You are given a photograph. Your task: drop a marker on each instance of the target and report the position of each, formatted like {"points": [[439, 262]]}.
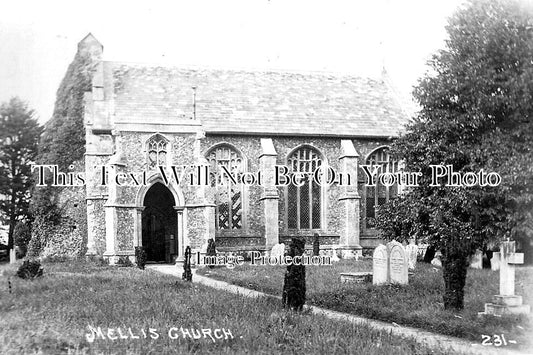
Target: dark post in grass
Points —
{"points": [[294, 284], [316, 245], [187, 273], [211, 249]]}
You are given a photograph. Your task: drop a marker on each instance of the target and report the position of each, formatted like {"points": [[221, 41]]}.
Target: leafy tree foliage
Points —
{"points": [[63, 139], [19, 135], [22, 236], [62, 143], [476, 109]]}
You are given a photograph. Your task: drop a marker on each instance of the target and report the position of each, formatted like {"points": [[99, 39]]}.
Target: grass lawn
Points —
{"points": [[418, 304], [52, 314]]}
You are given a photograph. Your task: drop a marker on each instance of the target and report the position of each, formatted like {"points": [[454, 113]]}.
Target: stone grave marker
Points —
{"points": [[334, 257], [412, 254], [495, 261], [436, 260], [398, 264], [380, 265], [507, 302], [278, 251], [477, 260]]}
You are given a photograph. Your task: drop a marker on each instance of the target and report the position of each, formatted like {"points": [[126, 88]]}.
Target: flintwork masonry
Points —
{"points": [[143, 120]]}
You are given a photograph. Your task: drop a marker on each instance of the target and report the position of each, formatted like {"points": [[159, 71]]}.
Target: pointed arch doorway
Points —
{"points": [[159, 224]]}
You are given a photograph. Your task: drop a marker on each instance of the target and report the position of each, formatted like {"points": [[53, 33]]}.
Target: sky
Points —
{"points": [[39, 38]]}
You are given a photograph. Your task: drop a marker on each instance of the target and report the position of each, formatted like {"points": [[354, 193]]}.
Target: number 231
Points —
{"points": [[497, 340]]}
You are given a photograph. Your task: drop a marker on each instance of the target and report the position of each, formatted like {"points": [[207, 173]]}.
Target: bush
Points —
{"points": [[293, 295], [22, 236], [30, 269], [140, 257]]}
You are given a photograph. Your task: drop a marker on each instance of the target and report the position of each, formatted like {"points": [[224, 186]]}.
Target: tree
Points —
{"points": [[63, 143], [476, 113], [19, 136]]}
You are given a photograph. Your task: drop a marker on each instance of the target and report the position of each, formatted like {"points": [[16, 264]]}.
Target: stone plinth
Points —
{"points": [[356, 277], [502, 305], [507, 302]]}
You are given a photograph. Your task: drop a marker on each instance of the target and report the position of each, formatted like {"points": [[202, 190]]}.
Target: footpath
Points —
{"points": [[452, 344]]}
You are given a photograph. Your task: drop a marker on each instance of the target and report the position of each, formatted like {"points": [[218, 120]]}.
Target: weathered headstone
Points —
{"points": [[495, 261], [437, 259], [334, 257], [356, 277], [507, 302], [294, 284], [412, 254], [278, 251], [398, 272], [380, 265], [477, 260]]}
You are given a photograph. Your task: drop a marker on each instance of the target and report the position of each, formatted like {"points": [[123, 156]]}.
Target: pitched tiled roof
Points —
{"points": [[255, 102]]}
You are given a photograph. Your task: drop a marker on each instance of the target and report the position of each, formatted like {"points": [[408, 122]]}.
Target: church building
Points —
{"points": [[149, 126]]}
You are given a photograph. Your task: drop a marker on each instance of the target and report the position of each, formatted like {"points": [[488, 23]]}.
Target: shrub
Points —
{"points": [[30, 269], [294, 284], [22, 236], [140, 257]]}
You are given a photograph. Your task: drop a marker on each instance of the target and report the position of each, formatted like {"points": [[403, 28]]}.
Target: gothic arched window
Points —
{"points": [[228, 196], [377, 195], [304, 203], [157, 151]]}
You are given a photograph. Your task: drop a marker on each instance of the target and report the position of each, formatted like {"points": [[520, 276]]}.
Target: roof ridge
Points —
{"points": [[244, 70]]}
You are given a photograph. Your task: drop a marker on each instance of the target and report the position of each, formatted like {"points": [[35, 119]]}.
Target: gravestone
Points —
{"points": [[507, 302], [380, 265], [278, 251], [495, 261], [334, 257], [477, 260], [356, 277], [398, 264], [412, 254], [436, 260]]}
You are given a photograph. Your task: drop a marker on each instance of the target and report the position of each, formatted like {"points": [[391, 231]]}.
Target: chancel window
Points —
{"points": [[377, 195], [157, 151], [304, 202], [228, 195]]}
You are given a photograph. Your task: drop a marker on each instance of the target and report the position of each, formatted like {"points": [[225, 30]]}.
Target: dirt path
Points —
{"points": [[424, 337]]}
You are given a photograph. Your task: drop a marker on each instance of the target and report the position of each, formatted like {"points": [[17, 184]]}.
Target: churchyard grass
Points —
{"points": [[51, 315], [418, 304]]}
